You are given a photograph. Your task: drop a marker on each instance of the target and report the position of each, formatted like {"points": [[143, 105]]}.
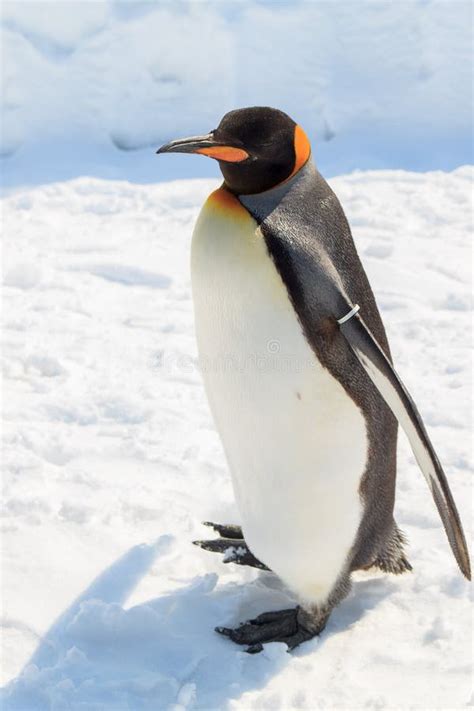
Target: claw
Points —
{"points": [[221, 545], [254, 648], [223, 630], [225, 530]]}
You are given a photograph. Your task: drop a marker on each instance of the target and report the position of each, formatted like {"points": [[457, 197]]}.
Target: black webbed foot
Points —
{"points": [[283, 626], [232, 545]]}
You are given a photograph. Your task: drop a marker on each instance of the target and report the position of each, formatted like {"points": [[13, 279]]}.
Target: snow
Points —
{"points": [[111, 459], [91, 88], [110, 455]]}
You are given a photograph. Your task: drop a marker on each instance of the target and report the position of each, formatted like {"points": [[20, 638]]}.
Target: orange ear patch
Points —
{"points": [[227, 153], [302, 150]]}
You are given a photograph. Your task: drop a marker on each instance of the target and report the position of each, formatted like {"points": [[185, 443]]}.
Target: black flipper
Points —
{"points": [[391, 388]]}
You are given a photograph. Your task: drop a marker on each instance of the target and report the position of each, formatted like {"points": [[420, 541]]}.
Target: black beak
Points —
{"points": [[206, 145], [189, 145]]}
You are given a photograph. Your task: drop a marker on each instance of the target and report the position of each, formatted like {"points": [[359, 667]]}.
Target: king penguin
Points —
{"points": [[299, 377]]}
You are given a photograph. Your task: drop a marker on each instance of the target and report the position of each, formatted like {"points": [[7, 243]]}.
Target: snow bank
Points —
{"points": [[111, 461], [376, 84]]}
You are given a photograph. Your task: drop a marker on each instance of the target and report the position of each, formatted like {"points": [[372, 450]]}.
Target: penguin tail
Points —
{"points": [[392, 557]]}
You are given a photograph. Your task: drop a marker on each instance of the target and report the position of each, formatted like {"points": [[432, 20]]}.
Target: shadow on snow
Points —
{"points": [[162, 654]]}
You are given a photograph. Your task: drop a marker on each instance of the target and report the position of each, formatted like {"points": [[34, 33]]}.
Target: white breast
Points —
{"points": [[295, 442]]}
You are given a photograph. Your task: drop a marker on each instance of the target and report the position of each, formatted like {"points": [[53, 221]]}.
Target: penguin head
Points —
{"points": [[257, 148]]}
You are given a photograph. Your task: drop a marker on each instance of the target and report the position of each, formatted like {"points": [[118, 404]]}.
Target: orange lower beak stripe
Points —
{"points": [[227, 153]]}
